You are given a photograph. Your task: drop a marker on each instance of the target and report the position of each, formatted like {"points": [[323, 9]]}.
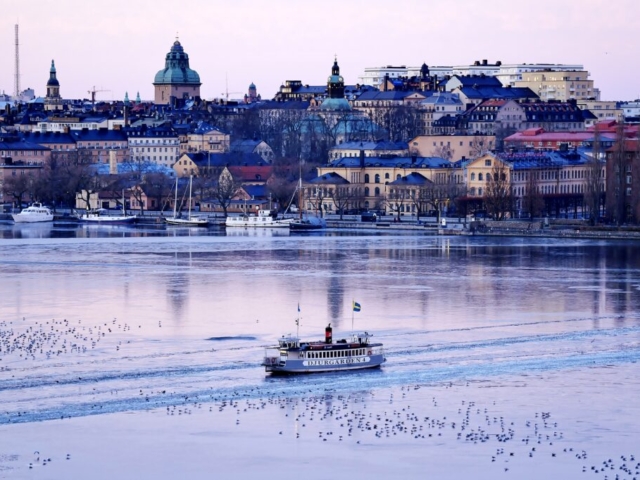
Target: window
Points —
{"points": [[480, 176], [487, 163], [377, 178], [366, 178], [473, 177], [377, 192]]}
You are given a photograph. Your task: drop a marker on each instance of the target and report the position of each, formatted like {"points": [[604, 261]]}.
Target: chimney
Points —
{"points": [[113, 163], [361, 158], [484, 62], [413, 159]]}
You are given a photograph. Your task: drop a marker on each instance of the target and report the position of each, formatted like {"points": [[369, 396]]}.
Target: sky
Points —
{"points": [[117, 46]]}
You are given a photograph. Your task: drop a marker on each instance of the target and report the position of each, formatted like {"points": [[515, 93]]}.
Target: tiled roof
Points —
{"points": [[497, 92], [251, 173], [413, 178], [44, 138], [393, 162], [528, 160], [330, 178]]}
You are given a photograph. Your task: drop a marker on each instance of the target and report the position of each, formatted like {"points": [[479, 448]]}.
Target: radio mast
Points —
{"points": [[17, 79]]}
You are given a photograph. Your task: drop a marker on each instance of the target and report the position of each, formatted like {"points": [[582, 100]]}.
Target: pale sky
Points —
{"points": [[119, 45]]}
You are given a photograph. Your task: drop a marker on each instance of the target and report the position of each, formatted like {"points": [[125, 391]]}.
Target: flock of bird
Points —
{"points": [[53, 338], [338, 417]]}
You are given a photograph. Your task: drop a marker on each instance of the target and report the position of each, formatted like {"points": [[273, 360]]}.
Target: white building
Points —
{"points": [[508, 74], [154, 145], [374, 76], [631, 109]]}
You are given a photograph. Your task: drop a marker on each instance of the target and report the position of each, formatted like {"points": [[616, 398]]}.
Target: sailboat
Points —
{"points": [[307, 222], [189, 220], [102, 216]]}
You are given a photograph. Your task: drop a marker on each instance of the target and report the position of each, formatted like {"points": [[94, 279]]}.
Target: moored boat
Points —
{"points": [[264, 219], [188, 220], [294, 356], [102, 216], [33, 214]]}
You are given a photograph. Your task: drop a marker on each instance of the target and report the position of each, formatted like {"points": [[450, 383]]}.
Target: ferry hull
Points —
{"points": [[325, 365]]}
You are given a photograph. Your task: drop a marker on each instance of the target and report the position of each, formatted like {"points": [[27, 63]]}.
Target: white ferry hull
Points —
{"points": [[318, 366], [107, 220]]}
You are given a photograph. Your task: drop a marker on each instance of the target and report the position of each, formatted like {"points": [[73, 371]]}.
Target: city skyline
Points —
{"points": [[118, 47]]}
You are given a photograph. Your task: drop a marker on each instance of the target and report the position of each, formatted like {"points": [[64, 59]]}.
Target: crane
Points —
{"points": [[227, 93], [93, 92]]}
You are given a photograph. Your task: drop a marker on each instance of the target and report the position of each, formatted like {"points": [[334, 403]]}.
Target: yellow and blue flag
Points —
{"points": [[356, 307]]}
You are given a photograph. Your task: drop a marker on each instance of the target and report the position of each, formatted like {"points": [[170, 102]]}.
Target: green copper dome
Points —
{"points": [[176, 68]]}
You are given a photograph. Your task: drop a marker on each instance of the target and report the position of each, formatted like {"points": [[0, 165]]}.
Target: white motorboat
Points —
{"points": [[264, 219], [189, 220], [33, 214]]}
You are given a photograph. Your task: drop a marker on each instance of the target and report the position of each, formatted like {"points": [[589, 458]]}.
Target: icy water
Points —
{"points": [[128, 353]]}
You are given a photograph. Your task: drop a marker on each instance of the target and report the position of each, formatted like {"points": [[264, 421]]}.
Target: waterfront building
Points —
{"points": [[368, 178], [623, 181], [19, 159], [177, 82]]}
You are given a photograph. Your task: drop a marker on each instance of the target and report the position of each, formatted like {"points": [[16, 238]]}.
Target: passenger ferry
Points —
{"points": [[293, 356]]}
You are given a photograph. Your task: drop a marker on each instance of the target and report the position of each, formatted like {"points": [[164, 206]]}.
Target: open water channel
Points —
{"points": [[135, 353]]}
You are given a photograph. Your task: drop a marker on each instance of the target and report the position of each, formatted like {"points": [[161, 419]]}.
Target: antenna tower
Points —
{"points": [[17, 79]]}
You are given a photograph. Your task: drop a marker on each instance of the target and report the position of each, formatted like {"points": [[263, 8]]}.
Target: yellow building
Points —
{"points": [[369, 179], [560, 85]]}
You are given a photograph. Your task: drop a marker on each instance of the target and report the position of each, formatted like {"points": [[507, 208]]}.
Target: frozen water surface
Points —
{"points": [[135, 354]]}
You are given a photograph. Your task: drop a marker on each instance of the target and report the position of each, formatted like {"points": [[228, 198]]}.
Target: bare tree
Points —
{"points": [[617, 178], [498, 198], [343, 196], [532, 202], [18, 186], [479, 146], [396, 199], [443, 151], [317, 195], [225, 189], [595, 187]]}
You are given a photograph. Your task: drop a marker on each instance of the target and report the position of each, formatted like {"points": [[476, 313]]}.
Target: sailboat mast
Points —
{"points": [[190, 182], [175, 203], [300, 191]]}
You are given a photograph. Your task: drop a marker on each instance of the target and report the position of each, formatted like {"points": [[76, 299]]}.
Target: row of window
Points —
{"points": [[335, 353], [141, 149]]}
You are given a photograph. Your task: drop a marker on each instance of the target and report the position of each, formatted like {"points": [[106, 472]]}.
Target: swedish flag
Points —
{"points": [[356, 307]]}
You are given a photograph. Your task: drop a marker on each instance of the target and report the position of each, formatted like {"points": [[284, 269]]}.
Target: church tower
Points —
{"points": [[53, 101], [335, 83], [335, 100]]}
